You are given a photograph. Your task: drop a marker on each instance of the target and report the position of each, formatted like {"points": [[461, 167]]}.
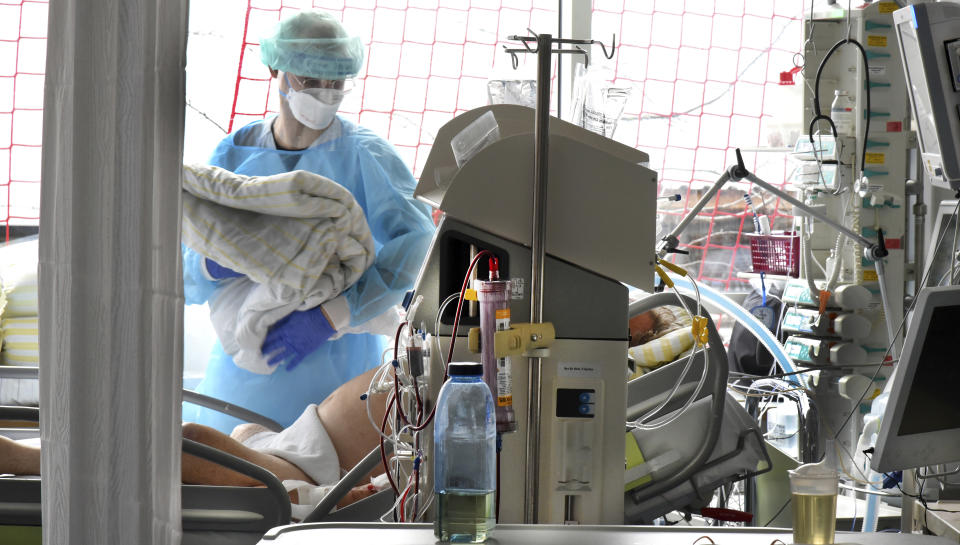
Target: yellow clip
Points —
{"points": [[700, 330], [470, 295], [663, 276], [677, 269]]}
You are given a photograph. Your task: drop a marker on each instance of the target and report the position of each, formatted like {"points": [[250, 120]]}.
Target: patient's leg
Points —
{"points": [[199, 471], [17, 458], [344, 416]]}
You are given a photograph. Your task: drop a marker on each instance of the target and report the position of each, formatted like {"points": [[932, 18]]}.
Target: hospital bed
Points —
{"points": [[211, 514], [713, 443]]}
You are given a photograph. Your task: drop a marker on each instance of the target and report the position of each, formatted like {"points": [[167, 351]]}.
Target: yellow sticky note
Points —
{"points": [[888, 7], [877, 41], [875, 158]]}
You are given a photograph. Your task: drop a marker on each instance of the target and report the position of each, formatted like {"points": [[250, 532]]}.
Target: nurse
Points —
{"points": [[313, 59]]}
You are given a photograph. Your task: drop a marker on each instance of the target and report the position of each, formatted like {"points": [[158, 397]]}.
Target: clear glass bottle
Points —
{"points": [[464, 439], [842, 112]]}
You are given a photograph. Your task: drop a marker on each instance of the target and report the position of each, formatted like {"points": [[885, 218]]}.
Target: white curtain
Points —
{"points": [[111, 296]]}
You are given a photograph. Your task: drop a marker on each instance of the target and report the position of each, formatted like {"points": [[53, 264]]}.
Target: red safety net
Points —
{"points": [[708, 76], [704, 74], [23, 32], [426, 61]]}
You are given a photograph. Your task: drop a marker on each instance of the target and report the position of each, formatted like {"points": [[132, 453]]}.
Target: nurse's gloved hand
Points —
{"points": [[218, 271], [295, 336]]}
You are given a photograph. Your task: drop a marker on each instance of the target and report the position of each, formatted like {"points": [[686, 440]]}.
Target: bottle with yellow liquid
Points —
{"points": [[814, 501], [464, 439]]}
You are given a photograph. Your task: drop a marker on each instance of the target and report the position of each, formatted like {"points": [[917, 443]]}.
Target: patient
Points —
{"points": [[342, 416], [658, 336]]}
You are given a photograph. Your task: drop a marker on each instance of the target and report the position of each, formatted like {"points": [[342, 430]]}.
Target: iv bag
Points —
{"points": [[597, 104]]}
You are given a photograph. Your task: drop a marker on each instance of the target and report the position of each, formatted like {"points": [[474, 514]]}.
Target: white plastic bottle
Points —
{"points": [[842, 113]]}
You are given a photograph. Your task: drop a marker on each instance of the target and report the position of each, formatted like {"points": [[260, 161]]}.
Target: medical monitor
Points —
{"points": [[939, 255], [929, 38], [921, 424]]}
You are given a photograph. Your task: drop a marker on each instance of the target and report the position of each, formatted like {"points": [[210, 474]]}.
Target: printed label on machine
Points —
{"points": [[877, 41], [578, 370], [516, 288], [878, 71], [504, 377], [875, 158]]}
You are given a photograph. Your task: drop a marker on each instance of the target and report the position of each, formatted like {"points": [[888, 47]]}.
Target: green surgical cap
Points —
{"points": [[312, 44]]}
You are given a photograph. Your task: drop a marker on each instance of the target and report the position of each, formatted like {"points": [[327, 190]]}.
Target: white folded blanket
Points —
{"points": [[300, 239]]}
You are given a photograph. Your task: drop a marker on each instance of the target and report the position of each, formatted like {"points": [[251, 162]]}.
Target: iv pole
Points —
{"points": [[541, 131]]}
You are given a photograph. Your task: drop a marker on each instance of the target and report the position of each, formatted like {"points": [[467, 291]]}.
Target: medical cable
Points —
{"points": [[453, 334], [396, 403], [818, 114], [669, 419], [440, 311], [396, 367], [366, 398], [383, 450], [443, 306], [641, 422]]}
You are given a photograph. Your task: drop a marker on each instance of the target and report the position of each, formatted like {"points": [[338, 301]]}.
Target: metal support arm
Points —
{"points": [[872, 250]]}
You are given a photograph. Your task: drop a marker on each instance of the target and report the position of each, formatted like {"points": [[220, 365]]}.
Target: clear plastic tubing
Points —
{"points": [[494, 298], [746, 319]]}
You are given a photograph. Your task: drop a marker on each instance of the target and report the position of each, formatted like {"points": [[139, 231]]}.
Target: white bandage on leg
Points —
{"points": [[304, 444]]}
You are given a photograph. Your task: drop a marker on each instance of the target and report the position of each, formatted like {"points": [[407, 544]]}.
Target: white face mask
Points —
{"points": [[314, 108]]}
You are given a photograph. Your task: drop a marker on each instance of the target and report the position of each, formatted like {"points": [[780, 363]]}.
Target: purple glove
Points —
{"points": [[218, 271], [295, 336]]}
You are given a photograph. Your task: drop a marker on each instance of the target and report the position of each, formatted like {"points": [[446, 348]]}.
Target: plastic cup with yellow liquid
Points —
{"points": [[814, 501]]}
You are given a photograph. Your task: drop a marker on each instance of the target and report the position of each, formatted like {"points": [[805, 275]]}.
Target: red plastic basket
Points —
{"points": [[775, 254]]}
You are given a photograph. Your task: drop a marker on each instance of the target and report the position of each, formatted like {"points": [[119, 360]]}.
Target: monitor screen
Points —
{"points": [[917, 85], [939, 253], [932, 403], [921, 423]]}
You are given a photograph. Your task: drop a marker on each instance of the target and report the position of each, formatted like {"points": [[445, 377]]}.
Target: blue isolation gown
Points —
{"points": [[382, 184]]}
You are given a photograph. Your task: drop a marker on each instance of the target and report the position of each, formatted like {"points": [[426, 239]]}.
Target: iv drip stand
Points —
{"points": [[541, 131]]}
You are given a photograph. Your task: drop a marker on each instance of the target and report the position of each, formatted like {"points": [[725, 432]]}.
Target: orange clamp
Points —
{"points": [[824, 299]]}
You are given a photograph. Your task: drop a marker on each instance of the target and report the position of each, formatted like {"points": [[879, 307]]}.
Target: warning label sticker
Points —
{"points": [[888, 7]]}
